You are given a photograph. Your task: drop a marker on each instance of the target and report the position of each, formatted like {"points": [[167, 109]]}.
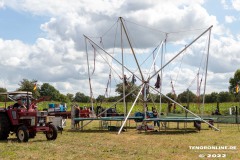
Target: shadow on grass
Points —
{"points": [[131, 127], [4, 141], [170, 131], [162, 131], [93, 131], [41, 140], [10, 140], [15, 140]]}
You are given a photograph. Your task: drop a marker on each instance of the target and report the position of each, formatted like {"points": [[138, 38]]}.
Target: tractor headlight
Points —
{"points": [[41, 121]]}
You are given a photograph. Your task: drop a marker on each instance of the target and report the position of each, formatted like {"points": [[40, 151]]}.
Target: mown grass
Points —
{"points": [[92, 143]]}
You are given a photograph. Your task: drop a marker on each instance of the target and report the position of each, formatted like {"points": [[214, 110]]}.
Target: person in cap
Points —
{"points": [[19, 104]]}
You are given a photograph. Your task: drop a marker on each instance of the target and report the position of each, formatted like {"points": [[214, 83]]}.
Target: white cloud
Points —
{"points": [[14, 53], [46, 8], [218, 81], [224, 56], [225, 4], [1, 4], [238, 37], [236, 4], [230, 19]]}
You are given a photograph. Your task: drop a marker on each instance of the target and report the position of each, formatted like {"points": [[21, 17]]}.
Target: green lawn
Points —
{"points": [[93, 143]]}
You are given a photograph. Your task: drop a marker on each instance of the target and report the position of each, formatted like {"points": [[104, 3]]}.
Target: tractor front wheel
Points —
{"points": [[4, 126], [22, 134], [52, 133]]}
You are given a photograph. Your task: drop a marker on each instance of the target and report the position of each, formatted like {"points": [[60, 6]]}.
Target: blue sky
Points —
{"points": [[216, 8], [43, 39], [20, 25]]}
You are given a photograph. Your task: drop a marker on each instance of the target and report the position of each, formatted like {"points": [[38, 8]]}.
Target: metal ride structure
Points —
{"points": [[145, 85]]}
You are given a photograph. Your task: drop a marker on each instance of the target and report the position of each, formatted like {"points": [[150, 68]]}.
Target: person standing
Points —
{"points": [[155, 115], [77, 112]]}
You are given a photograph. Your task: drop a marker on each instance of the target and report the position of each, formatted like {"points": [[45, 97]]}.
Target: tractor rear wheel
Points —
{"points": [[52, 133], [4, 126], [22, 134]]}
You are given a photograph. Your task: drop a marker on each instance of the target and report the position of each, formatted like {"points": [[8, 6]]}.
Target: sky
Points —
{"points": [[43, 40]]}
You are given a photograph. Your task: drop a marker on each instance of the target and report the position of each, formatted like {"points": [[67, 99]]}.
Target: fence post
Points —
{"points": [[236, 113], [72, 116]]}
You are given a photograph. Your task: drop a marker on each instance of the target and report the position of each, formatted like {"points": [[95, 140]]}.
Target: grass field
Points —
{"points": [[93, 143], [102, 144]]}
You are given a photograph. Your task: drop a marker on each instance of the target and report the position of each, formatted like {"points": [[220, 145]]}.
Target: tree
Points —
{"points": [[186, 96], [234, 81], [70, 97], [157, 98], [211, 98], [49, 90], [63, 98], [80, 97], [27, 85], [154, 97], [234, 84], [113, 98], [128, 89], [225, 97], [170, 95], [100, 98], [2, 90]]}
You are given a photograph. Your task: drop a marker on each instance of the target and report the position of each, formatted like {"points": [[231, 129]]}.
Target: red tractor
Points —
{"points": [[23, 118]]}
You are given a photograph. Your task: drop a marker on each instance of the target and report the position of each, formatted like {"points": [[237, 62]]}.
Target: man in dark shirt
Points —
{"points": [[77, 113], [19, 104], [155, 115]]}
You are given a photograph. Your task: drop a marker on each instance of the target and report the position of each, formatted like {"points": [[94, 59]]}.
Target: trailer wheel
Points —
{"points": [[52, 133], [4, 126], [22, 134]]}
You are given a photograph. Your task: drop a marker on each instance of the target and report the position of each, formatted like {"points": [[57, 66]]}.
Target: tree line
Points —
{"points": [[47, 89], [184, 97]]}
